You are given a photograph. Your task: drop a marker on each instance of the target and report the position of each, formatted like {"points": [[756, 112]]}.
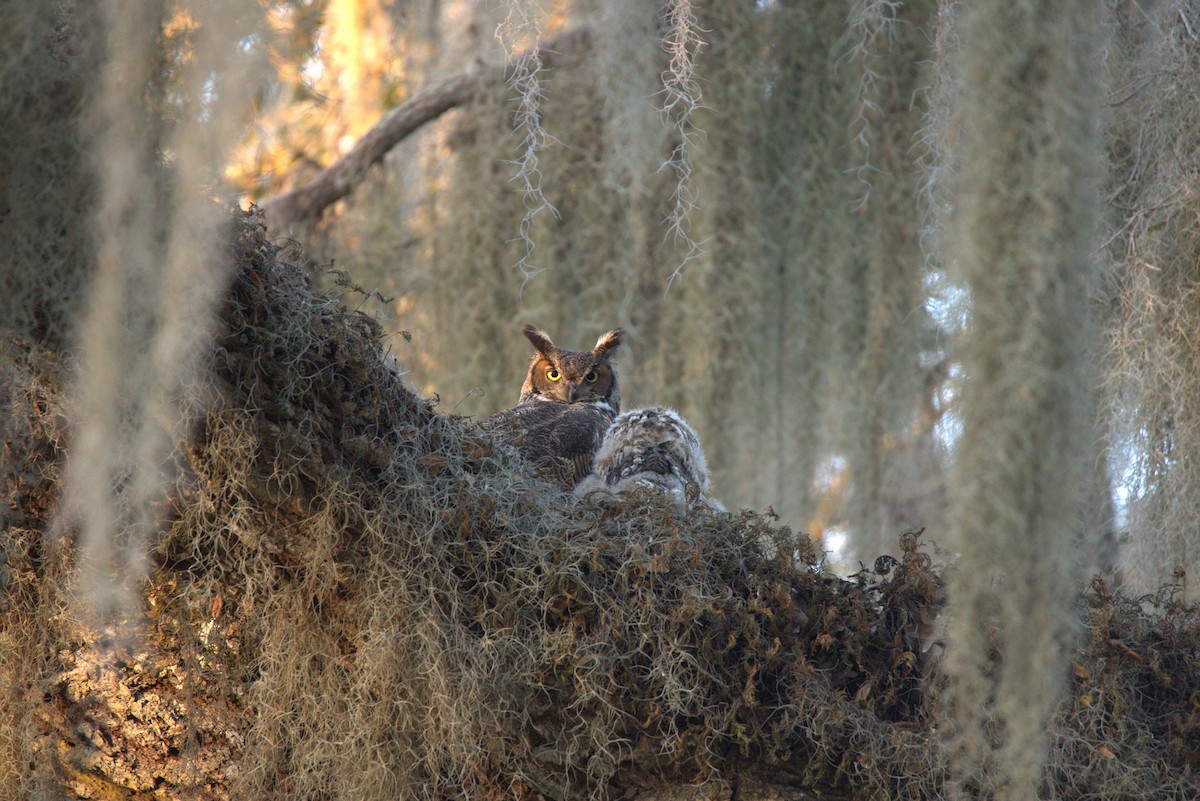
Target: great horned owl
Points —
{"points": [[568, 400], [654, 449]]}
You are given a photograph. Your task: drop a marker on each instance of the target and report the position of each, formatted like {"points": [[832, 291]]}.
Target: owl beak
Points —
{"points": [[572, 393]]}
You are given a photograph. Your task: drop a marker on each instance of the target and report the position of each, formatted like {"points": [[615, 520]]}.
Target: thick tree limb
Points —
{"points": [[306, 203]]}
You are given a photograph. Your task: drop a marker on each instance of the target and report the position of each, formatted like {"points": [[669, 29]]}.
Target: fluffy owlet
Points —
{"points": [[652, 449], [567, 402]]}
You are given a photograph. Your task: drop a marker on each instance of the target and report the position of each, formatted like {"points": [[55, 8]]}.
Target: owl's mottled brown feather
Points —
{"points": [[651, 449], [568, 400], [558, 438]]}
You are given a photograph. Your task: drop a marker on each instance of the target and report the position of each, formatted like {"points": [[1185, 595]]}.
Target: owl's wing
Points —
{"points": [[560, 439]]}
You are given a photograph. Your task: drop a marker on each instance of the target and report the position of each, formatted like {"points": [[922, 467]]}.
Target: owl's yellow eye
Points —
{"points": [[591, 377], [553, 374]]}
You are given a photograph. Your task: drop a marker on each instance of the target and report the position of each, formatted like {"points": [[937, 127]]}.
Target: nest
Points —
{"points": [[354, 595]]}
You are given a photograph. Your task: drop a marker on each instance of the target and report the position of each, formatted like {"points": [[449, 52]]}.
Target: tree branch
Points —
{"points": [[306, 203]]}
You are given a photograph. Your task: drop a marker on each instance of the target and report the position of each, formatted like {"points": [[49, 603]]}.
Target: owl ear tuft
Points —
{"points": [[540, 340], [607, 343]]}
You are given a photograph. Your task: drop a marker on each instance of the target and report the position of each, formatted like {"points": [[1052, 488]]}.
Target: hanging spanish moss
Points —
{"points": [[1020, 239], [464, 294], [150, 306], [808, 216], [714, 297], [887, 439], [111, 160], [1153, 374], [49, 54], [682, 97], [739, 261], [117, 324]]}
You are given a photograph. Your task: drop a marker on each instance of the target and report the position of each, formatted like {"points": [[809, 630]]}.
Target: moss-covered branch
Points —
{"points": [[354, 596], [306, 203]]}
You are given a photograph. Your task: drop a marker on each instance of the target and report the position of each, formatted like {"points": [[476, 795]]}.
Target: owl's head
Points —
{"points": [[573, 376]]}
